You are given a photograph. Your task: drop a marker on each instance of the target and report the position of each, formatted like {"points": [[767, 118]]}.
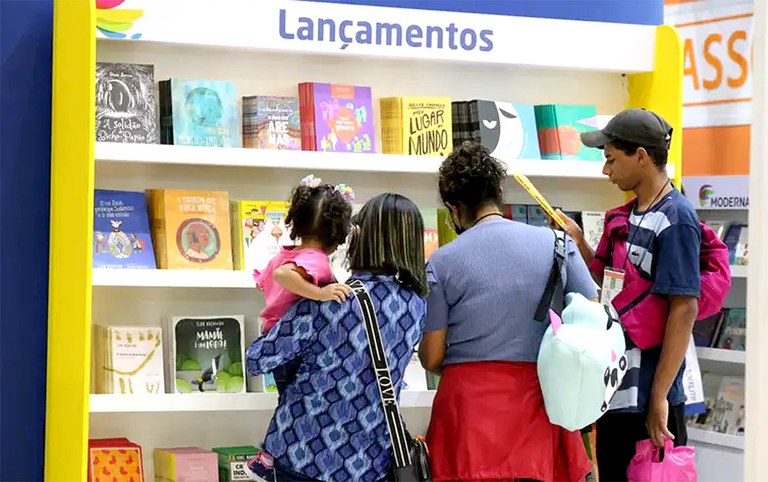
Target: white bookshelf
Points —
{"points": [[723, 356], [562, 68], [709, 437], [216, 402]]}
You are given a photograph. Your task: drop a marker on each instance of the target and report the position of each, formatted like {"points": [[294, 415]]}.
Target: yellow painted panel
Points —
{"points": [[662, 90], [71, 232]]}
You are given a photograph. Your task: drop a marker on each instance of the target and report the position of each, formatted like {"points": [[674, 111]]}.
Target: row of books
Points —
{"points": [[328, 117], [120, 460], [724, 402], [189, 354], [185, 229], [736, 237], [726, 329]]}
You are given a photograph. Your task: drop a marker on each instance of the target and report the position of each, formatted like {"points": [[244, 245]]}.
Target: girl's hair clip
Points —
{"points": [[346, 192], [311, 181]]}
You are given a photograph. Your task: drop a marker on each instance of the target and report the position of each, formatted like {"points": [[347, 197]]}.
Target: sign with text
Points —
{"points": [[718, 192]]}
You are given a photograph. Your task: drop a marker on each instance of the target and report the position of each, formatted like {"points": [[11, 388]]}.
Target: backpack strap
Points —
{"points": [[553, 296]]}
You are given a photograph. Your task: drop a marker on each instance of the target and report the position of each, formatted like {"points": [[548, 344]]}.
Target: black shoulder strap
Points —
{"points": [[383, 377], [553, 293]]}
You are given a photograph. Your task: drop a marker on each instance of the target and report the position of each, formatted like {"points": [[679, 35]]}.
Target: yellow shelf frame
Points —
{"points": [[71, 235], [71, 226]]}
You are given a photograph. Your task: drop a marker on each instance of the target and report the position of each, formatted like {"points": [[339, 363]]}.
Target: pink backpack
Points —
{"points": [[643, 314]]}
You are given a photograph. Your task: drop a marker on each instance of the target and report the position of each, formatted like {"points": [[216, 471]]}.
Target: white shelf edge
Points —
{"points": [[714, 438], [319, 161], [171, 278], [721, 355], [738, 271], [216, 402]]}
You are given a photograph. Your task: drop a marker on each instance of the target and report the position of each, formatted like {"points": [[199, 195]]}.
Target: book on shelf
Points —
{"points": [[724, 406], [199, 113], [271, 122], [741, 253], [258, 232], [506, 129], [733, 240], [191, 229], [121, 231], [559, 129], [205, 354], [733, 332], [336, 118], [114, 460], [705, 331], [128, 360], [431, 237], [184, 464], [416, 126], [235, 464], [125, 103], [592, 223]]}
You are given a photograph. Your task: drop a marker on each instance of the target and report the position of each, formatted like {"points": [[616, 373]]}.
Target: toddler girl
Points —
{"points": [[319, 218]]}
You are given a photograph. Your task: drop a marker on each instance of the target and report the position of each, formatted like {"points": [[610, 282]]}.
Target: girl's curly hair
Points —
{"points": [[471, 177], [321, 213]]}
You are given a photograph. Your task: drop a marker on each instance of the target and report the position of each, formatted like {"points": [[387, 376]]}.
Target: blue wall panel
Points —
{"points": [[26, 33]]}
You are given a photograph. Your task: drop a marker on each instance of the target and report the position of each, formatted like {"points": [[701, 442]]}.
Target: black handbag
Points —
{"points": [[411, 461]]}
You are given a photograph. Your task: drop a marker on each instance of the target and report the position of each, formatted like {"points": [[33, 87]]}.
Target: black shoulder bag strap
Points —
{"points": [[553, 296], [383, 376]]}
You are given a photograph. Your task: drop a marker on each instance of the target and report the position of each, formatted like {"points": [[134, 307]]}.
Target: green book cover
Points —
{"points": [[445, 232], [559, 127], [233, 463]]}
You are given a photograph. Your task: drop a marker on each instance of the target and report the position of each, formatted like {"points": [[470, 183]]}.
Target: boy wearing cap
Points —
{"points": [[663, 244]]}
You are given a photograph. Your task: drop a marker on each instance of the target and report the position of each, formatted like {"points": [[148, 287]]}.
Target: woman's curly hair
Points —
{"points": [[471, 177], [321, 213]]}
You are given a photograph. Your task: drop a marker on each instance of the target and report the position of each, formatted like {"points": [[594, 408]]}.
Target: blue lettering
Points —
{"points": [[390, 29], [432, 31], [321, 24], [452, 31], [365, 33], [307, 31], [413, 36], [472, 42], [343, 32], [362, 32], [283, 33], [485, 36]]}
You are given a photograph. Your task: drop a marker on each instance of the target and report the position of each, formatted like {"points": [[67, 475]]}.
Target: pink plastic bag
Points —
{"points": [[670, 464]]}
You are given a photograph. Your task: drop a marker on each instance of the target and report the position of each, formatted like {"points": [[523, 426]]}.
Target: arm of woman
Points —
{"points": [[293, 334], [433, 342]]}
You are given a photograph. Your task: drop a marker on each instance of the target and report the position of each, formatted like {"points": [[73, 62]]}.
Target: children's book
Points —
{"points": [[417, 126], [337, 118], [271, 122], [191, 229], [199, 113], [205, 354], [125, 103], [121, 233], [560, 127], [259, 232]]}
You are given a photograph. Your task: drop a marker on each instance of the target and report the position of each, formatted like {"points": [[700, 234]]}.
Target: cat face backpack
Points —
{"points": [[582, 358]]}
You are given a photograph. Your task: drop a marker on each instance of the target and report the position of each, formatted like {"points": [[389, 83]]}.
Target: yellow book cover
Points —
{"points": [[425, 125], [191, 229], [262, 232]]}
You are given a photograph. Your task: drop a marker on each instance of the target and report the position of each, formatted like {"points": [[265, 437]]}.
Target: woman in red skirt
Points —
{"points": [[488, 419]]}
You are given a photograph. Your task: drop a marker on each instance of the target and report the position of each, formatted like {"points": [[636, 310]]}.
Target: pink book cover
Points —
{"points": [[193, 464]]}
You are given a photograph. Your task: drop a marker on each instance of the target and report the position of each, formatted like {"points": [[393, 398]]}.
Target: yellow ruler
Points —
{"points": [[535, 194]]}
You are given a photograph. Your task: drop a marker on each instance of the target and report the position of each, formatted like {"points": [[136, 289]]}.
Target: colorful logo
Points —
{"points": [[705, 194], [115, 22]]}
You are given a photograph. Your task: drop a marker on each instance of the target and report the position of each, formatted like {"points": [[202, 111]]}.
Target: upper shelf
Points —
{"points": [[285, 26], [323, 161]]}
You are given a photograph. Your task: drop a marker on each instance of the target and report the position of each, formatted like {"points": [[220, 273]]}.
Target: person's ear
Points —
{"points": [[643, 159]]}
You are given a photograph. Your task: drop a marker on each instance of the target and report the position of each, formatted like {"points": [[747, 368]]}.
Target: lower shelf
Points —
{"points": [[715, 438], [216, 402]]}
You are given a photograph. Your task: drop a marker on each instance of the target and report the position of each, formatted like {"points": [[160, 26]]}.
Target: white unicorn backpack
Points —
{"points": [[582, 358]]}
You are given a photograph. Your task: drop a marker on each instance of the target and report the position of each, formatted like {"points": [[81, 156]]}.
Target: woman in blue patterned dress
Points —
{"points": [[329, 424]]}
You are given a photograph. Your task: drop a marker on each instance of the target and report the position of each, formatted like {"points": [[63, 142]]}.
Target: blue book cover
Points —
{"points": [[507, 129], [121, 235], [204, 113]]}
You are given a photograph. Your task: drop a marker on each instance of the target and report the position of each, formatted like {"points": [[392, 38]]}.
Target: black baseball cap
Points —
{"points": [[638, 126]]}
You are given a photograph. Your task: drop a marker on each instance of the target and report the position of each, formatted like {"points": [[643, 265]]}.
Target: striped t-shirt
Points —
{"points": [[663, 244]]}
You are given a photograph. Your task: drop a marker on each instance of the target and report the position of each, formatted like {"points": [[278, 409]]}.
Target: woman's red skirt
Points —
{"points": [[489, 423]]}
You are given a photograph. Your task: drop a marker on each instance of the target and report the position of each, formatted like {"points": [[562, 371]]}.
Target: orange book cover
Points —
{"points": [[191, 229], [114, 460]]}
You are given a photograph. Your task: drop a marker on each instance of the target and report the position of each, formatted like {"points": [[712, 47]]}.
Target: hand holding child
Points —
{"points": [[334, 292]]}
